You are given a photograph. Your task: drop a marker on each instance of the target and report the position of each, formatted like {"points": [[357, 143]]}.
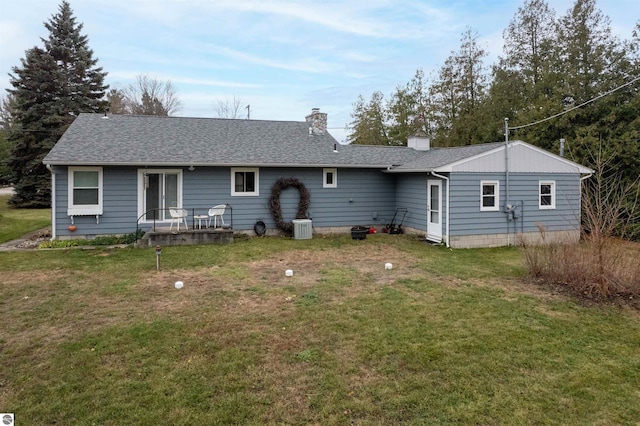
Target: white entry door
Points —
{"points": [[434, 210]]}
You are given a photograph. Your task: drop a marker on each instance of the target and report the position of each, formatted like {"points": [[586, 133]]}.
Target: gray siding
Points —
{"points": [[467, 219], [119, 205], [411, 192], [360, 194]]}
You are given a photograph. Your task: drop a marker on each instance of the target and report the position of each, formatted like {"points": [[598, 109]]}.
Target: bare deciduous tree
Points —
{"points": [[228, 108], [603, 266], [149, 96]]}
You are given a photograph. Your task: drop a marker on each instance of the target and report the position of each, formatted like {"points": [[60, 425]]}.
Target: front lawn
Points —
{"points": [[444, 337], [14, 223]]}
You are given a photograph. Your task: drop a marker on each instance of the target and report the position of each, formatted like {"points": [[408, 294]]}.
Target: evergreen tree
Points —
{"points": [[50, 87], [459, 93], [38, 123], [408, 111], [590, 63], [523, 80], [7, 106], [117, 102], [369, 122]]}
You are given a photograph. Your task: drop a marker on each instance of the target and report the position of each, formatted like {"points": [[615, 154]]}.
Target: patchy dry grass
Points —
{"points": [[100, 337]]}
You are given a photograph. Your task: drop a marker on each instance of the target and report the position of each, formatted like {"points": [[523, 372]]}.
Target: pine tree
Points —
{"points": [[523, 78], [459, 93], [7, 106], [408, 111], [83, 87], [369, 122], [50, 87]]}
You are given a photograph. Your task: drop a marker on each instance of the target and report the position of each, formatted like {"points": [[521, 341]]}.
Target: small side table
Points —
{"points": [[200, 218]]}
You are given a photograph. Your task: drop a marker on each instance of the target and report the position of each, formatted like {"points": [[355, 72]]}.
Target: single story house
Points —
{"points": [[112, 173]]}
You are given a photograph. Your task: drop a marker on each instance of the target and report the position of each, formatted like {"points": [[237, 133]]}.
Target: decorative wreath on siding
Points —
{"points": [[274, 202]]}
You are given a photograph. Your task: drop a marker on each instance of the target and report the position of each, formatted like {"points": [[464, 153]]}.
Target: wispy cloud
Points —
{"points": [[304, 64], [129, 76], [362, 18], [282, 56]]}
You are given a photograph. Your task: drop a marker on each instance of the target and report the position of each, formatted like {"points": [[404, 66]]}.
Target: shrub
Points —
{"points": [[604, 264], [593, 268]]}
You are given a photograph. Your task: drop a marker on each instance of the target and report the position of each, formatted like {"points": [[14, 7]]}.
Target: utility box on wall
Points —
{"points": [[302, 229]]}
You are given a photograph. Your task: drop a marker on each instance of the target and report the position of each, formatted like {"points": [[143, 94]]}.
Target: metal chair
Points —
{"points": [[216, 212], [178, 216]]}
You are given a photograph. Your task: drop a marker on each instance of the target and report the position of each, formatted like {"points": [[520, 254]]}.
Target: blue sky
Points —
{"points": [[281, 57]]}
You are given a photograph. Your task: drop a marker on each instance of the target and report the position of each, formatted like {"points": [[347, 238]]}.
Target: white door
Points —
{"points": [[434, 210]]}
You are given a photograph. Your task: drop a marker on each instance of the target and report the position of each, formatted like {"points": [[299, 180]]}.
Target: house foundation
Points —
{"points": [[500, 240]]}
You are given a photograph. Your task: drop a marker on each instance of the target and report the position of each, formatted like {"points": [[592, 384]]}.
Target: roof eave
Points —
{"points": [[194, 164], [392, 170]]}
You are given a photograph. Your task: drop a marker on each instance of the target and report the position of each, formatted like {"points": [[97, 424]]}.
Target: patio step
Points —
{"points": [[165, 238]]}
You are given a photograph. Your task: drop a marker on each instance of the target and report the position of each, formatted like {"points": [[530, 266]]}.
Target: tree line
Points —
{"points": [[51, 86], [549, 66]]}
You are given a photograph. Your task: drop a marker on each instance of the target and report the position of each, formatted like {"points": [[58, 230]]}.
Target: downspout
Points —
{"points": [[582, 178], [53, 201], [506, 175], [446, 179]]}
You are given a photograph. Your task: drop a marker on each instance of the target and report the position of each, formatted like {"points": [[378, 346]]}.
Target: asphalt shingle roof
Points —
{"points": [[149, 140], [94, 139], [438, 157]]}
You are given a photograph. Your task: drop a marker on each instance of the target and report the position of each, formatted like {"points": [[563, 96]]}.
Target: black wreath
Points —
{"points": [[274, 202]]}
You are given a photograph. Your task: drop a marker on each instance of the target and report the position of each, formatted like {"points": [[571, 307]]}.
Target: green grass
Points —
{"points": [[15, 223], [445, 337]]}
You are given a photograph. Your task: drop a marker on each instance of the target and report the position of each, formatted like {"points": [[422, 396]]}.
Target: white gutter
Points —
{"points": [[53, 201], [447, 192]]}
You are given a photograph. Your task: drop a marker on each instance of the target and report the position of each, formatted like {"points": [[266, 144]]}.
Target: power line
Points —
{"points": [[575, 107]]}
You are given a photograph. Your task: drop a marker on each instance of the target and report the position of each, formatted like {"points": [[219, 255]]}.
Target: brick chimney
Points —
{"points": [[317, 122]]}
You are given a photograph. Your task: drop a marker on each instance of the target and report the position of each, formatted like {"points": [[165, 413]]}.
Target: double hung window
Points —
{"points": [[547, 195], [85, 191], [489, 195]]}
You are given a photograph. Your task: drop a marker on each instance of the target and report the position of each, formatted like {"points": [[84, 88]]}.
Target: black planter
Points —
{"points": [[359, 232]]}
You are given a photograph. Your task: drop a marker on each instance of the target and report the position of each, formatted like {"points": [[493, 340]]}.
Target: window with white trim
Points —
{"points": [[245, 181], [85, 191], [547, 195], [489, 195], [329, 178]]}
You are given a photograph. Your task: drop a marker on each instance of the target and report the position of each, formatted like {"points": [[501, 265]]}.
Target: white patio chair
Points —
{"points": [[216, 212], [178, 216]]}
